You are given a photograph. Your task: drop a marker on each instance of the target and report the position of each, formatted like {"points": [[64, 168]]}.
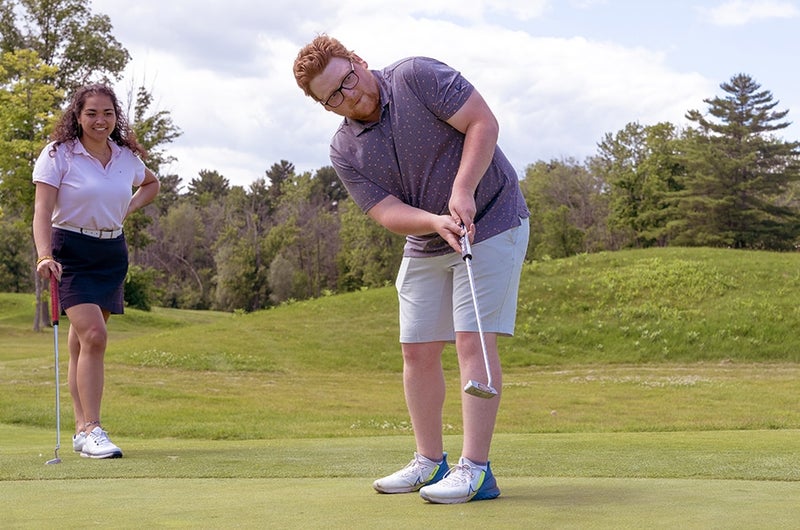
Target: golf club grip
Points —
{"points": [[466, 248], [54, 298]]}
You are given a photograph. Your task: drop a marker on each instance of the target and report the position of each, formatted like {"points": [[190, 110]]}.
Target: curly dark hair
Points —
{"points": [[68, 127]]}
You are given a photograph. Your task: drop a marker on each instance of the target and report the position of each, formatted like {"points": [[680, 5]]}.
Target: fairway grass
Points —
{"points": [[724, 479]]}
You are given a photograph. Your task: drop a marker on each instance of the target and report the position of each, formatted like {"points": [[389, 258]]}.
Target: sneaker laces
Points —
{"points": [[415, 467], [457, 475], [99, 438]]}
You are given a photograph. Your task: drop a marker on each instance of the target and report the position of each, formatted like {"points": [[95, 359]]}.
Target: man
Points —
{"points": [[417, 151]]}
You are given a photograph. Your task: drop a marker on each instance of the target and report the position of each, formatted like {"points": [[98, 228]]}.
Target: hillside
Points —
{"points": [[659, 305], [640, 306], [648, 340]]}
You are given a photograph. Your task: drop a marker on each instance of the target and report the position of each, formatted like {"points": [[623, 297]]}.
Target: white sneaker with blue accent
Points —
{"points": [[464, 482], [419, 472], [97, 445]]}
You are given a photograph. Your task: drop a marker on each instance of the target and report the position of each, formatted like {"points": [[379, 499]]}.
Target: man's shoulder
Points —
{"points": [[407, 62], [413, 63], [416, 71]]}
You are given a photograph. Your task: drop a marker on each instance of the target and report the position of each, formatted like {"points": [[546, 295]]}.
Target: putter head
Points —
{"points": [[55, 460], [474, 388]]}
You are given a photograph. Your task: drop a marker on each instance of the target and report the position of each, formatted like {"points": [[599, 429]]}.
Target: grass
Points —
{"points": [[722, 479], [660, 305], [540, 502], [656, 340], [730, 455], [637, 382]]}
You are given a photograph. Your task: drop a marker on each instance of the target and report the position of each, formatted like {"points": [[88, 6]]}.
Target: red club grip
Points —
{"points": [[54, 298]]}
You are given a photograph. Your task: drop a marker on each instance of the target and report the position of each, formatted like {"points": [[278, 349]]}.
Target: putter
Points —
{"points": [[476, 388], [54, 308]]}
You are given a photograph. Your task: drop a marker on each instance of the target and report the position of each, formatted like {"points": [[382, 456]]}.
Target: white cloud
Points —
{"points": [[223, 71], [467, 10], [741, 12]]}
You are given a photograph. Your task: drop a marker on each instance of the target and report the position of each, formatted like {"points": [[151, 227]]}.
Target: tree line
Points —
{"points": [[727, 179]]}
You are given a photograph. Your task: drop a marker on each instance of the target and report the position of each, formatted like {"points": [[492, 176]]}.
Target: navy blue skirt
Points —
{"points": [[93, 270]]}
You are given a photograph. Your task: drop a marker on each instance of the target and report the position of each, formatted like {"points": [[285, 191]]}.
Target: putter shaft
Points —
{"points": [[472, 387], [55, 309]]}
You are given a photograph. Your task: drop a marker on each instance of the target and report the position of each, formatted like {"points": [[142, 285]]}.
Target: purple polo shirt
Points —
{"points": [[413, 154]]}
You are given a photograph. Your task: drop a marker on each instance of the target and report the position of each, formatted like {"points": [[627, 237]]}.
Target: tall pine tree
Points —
{"points": [[736, 169]]}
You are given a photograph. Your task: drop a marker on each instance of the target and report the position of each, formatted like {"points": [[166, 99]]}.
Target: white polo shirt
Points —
{"points": [[89, 195]]}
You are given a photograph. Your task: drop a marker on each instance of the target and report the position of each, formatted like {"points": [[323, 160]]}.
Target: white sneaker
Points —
{"points": [[78, 440], [464, 482], [419, 472], [97, 445]]}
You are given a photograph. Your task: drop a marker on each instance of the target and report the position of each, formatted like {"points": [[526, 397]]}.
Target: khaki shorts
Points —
{"points": [[435, 297]]}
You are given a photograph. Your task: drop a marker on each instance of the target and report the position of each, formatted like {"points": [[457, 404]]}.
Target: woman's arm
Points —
{"points": [[145, 193], [44, 203]]}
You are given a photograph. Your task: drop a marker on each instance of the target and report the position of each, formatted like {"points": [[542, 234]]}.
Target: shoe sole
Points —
{"points": [[460, 500], [115, 454], [391, 491]]}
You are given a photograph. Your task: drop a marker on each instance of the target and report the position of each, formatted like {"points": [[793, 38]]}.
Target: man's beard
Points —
{"points": [[367, 108]]}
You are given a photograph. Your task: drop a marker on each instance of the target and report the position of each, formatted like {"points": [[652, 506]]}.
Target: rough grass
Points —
{"points": [[659, 305]]}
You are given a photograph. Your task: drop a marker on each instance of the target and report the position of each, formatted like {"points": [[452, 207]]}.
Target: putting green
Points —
{"points": [[725, 479], [351, 503]]}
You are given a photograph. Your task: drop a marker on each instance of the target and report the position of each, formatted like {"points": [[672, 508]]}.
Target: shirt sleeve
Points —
{"points": [[440, 87], [138, 174], [48, 168], [365, 192]]}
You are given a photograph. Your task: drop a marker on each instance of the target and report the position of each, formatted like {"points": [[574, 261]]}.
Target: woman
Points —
{"points": [[84, 179]]}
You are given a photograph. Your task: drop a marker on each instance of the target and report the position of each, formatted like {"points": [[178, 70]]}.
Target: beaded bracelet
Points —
{"points": [[43, 258]]}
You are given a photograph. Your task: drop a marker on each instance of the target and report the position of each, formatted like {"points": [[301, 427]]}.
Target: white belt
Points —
{"points": [[100, 234]]}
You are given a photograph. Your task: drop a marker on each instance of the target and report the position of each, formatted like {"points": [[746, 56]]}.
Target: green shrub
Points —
{"points": [[139, 287]]}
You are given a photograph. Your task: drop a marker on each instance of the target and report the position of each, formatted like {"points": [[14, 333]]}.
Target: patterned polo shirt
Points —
{"points": [[414, 155]]}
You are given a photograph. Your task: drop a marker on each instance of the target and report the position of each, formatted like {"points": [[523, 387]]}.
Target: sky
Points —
{"points": [[558, 74]]}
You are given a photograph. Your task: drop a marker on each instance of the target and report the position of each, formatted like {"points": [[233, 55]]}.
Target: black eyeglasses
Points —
{"points": [[349, 81]]}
